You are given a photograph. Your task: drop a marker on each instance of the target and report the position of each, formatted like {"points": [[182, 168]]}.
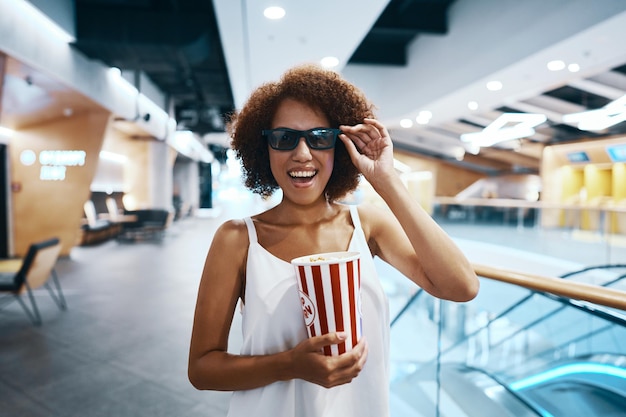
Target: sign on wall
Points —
{"points": [[54, 163]]}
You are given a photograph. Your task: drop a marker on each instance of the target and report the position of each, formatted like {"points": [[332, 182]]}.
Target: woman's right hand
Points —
{"points": [[310, 363]]}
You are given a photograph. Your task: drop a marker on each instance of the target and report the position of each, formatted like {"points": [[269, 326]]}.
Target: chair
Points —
{"points": [[35, 270], [115, 215], [96, 230]]}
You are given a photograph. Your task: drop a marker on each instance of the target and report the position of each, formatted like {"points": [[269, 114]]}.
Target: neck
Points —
{"points": [[319, 211]]}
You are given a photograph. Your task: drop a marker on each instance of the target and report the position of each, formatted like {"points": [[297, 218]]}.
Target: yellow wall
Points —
{"points": [[597, 183], [571, 183], [618, 220], [598, 191], [42, 209], [619, 181]]}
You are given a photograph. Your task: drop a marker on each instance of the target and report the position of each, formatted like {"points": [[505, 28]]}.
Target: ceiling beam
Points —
{"points": [[597, 88]]}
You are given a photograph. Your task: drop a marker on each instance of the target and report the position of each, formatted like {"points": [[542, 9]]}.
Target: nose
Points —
{"points": [[302, 151]]}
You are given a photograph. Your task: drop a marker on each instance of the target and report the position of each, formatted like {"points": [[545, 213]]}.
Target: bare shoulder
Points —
{"points": [[228, 253], [374, 217], [231, 235]]}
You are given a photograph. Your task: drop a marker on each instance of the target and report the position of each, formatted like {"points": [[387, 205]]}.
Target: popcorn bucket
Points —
{"points": [[330, 292]]}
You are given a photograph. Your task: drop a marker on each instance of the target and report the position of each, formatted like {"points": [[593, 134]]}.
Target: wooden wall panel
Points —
{"points": [[449, 179], [42, 209]]}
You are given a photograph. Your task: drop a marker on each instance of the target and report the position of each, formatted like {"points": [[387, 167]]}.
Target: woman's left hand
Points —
{"points": [[370, 148]]}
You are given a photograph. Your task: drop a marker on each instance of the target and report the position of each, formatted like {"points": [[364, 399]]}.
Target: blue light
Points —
{"points": [[577, 368]]}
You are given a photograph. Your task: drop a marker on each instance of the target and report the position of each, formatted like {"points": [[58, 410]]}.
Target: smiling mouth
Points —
{"points": [[302, 175]]}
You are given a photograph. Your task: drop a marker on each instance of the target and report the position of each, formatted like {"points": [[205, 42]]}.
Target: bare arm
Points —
{"points": [[407, 238], [212, 367]]}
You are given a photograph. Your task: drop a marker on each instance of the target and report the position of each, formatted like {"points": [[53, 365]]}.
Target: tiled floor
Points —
{"points": [[121, 347]]}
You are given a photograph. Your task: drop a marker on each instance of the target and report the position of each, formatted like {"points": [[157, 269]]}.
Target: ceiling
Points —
{"points": [[407, 55]]}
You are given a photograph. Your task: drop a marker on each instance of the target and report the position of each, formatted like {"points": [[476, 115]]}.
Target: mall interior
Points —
{"points": [[509, 127]]}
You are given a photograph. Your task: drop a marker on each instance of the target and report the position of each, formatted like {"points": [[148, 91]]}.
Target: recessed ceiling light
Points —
{"points": [[274, 12], [573, 67], [329, 62], [424, 117], [556, 65], [406, 123], [472, 105], [494, 85]]}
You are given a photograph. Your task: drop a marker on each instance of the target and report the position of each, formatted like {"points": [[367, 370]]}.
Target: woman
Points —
{"points": [[312, 134]]}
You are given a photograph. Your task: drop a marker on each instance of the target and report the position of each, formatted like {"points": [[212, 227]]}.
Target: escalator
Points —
{"points": [[526, 353]]}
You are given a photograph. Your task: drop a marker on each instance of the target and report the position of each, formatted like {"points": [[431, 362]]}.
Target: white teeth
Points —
{"points": [[302, 174]]}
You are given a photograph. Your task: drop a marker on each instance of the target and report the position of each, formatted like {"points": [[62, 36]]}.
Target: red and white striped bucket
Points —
{"points": [[330, 292]]}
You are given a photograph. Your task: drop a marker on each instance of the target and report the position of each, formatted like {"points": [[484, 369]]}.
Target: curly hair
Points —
{"points": [[341, 102]]}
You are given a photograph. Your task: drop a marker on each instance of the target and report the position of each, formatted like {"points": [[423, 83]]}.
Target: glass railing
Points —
{"points": [[574, 246], [513, 351]]}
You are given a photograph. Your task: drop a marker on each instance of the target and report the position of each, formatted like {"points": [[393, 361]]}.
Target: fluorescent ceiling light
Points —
{"points": [[274, 13], [521, 125], [472, 105], [599, 119]]}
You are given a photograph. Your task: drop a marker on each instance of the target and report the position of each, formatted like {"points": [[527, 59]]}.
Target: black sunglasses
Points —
{"points": [[283, 139]]}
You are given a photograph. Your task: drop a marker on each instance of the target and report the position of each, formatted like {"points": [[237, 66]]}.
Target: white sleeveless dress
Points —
{"points": [[272, 322]]}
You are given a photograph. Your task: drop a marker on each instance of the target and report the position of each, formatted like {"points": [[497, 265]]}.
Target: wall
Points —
{"points": [[428, 178], [42, 209], [449, 179], [598, 182], [147, 170], [187, 184]]}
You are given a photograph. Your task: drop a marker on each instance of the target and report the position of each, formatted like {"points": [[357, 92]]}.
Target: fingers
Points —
{"points": [[349, 365], [369, 136], [330, 371], [318, 342], [363, 133]]}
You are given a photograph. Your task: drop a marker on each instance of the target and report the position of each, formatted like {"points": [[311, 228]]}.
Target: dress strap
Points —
{"points": [[251, 229], [354, 212]]}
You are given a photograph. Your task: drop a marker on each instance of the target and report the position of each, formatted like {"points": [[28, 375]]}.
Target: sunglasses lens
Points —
{"points": [[283, 139], [287, 139], [321, 138]]}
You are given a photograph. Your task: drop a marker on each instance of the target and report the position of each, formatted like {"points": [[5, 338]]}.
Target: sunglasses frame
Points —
{"points": [[301, 134]]}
